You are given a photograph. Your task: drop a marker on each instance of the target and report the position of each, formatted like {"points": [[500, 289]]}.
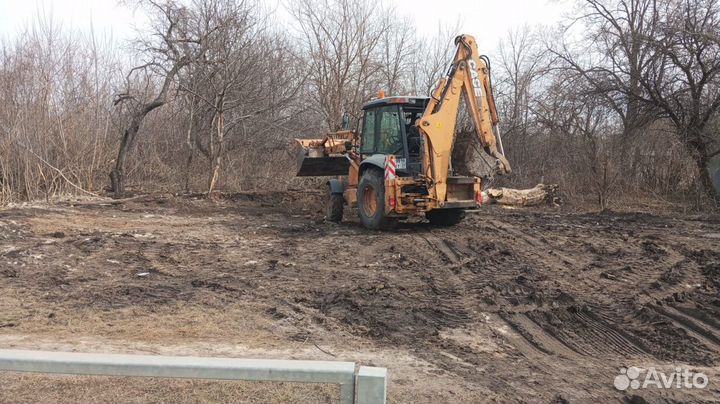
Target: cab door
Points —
{"points": [[382, 132]]}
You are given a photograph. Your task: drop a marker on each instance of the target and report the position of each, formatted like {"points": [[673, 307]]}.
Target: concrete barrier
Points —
{"points": [[330, 372], [371, 385]]}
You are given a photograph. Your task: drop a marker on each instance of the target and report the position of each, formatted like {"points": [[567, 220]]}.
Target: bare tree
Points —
{"points": [[398, 45], [579, 141], [683, 78], [235, 81], [342, 39], [54, 84], [518, 76], [614, 55], [168, 49], [652, 59], [432, 58], [227, 67]]}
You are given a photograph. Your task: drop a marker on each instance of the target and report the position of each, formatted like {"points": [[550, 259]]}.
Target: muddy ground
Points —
{"points": [[513, 305]]}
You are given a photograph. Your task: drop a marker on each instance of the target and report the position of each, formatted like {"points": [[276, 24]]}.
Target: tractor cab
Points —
{"points": [[388, 127]]}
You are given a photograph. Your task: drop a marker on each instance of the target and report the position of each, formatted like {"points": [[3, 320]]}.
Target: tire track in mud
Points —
{"points": [[697, 328], [443, 247], [706, 314], [420, 293], [540, 246], [590, 335], [521, 277], [617, 340], [444, 296], [465, 362], [574, 333], [453, 263], [637, 263], [536, 337], [546, 290]]}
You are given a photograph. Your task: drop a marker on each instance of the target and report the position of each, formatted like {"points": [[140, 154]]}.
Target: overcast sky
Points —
{"points": [[488, 20]]}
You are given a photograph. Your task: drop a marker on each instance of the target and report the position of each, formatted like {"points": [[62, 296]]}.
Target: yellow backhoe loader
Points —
{"points": [[398, 162]]}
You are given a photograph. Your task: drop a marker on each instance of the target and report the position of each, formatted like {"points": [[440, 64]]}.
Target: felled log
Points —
{"points": [[541, 194]]}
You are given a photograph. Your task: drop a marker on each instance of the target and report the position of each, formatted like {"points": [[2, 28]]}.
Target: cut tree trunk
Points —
{"points": [[541, 194], [468, 158]]}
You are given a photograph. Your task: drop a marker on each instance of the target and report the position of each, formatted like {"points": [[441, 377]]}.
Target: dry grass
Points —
{"points": [[28, 387]]}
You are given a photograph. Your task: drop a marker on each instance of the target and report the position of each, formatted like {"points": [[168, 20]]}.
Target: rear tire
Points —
{"points": [[445, 217], [334, 207], [371, 201]]}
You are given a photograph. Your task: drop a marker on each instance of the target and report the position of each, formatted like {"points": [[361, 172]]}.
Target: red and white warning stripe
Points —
{"points": [[390, 166]]}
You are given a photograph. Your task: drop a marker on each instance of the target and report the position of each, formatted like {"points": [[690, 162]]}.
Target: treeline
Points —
{"points": [[620, 101]]}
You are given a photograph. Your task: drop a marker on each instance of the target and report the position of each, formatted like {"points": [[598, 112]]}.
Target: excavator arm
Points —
{"points": [[468, 76]]}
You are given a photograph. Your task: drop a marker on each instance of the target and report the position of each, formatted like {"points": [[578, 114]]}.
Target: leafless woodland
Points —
{"points": [[619, 101]]}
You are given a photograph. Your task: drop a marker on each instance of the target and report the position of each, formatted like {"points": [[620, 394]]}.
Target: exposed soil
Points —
{"points": [[512, 305]]}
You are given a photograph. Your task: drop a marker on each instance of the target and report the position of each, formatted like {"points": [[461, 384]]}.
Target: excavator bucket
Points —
{"points": [[322, 166], [312, 161]]}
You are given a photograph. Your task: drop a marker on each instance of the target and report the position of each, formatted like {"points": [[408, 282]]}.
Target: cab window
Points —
{"points": [[388, 139], [368, 133], [381, 131]]}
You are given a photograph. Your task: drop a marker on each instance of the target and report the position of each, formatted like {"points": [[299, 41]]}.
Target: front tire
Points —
{"points": [[371, 201], [445, 217]]}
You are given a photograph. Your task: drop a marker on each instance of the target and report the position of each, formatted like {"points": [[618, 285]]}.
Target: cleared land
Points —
{"points": [[512, 305]]}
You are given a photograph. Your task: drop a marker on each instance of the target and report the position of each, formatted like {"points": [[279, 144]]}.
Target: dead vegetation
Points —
{"points": [[210, 93]]}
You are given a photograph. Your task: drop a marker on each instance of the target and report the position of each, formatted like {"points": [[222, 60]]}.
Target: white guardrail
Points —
{"points": [[370, 383]]}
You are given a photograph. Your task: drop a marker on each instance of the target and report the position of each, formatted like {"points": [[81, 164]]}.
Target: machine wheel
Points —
{"points": [[371, 201], [334, 205], [445, 217]]}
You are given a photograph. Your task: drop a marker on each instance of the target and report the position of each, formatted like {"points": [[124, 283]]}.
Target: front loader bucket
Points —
{"points": [[322, 166]]}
